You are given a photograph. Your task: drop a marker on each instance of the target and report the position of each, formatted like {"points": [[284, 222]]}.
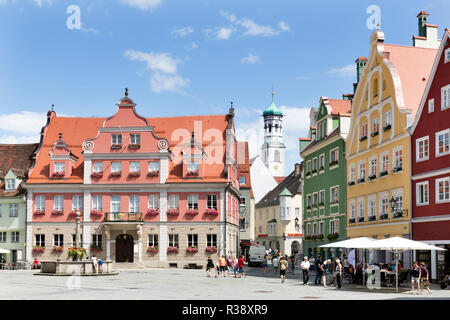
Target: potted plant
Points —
{"points": [[192, 173], [97, 175], [192, 249], [58, 249], [360, 219], [152, 212], [116, 173], [134, 174], [76, 253], [173, 211], [372, 218], [211, 249], [38, 249], [116, 146], [192, 212], [153, 173], [212, 211], [383, 216], [39, 213], [320, 237], [383, 173], [134, 146], [351, 183], [374, 133], [363, 138], [172, 249], [153, 249], [59, 174], [96, 213], [351, 220], [57, 212], [95, 248], [372, 177], [74, 213], [386, 127]]}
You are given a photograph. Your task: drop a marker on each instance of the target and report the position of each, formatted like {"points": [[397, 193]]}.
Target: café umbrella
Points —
{"points": [[4, 250]]}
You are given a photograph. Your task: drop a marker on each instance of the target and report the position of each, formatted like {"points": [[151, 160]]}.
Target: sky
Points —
{"points": [[189, 58]]}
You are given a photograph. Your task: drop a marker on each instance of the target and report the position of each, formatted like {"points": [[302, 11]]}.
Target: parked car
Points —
{"points": [[257, 254]]}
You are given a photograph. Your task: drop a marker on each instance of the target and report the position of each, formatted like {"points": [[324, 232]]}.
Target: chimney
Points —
{"points": [[428, 33], [347, 96], [360, 63], [422, 21]]}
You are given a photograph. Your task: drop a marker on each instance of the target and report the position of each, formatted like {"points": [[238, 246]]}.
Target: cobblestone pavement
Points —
{"points": [[184, 285]]}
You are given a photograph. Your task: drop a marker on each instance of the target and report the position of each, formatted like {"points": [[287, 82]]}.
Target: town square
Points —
{"points": [[169, 150]]}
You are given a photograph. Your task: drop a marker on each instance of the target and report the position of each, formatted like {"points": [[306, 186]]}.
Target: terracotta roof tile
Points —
{"points": [[341, 107]]}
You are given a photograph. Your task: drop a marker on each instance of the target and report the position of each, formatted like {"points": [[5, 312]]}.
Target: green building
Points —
{"points": [[323, 153], [14, 163]]}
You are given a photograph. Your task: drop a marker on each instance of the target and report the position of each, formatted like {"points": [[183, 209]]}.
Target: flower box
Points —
{"points": [[116, 146], [39, 213], [363, 138], [38, 249], [97, 175], [332, 236], [152, 249], [152, 212], [361, 219], [397, 214], [351, 220], [212, 212], [361, 180], [172, 250], [153, 174], [59, 174], [134, 174], [383, 216], [333, 163], [134, 146], [193, 173], [192, 212], [321, 168], [308, 174], [319, 237], [116, 174], [57, 212], [383, 173], [96, 213], [307, 237], [386, 127], [373, 134], [314, 171], [308, 207], [334, 202], [351, 183], [211, 249], [372, 218], [192, 249], [321, 204], [77, 253], [397, 169], [96, 248], [74, 213], [372, 177], [173, 212], [58, 249]]}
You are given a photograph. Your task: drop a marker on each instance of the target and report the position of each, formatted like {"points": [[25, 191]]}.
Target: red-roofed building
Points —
{"points": [[149, 189]]}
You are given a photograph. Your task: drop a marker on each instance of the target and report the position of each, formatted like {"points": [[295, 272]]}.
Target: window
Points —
{"points": [[153, 201], [373, 167], [334, 194], [134, 204], [372, 208], [192, 240], [58, 240], [422, 193], [334, 156], [153, 166], [308, 229], [135, 138], [59, 166], [297, 212], [242, 180], [352, 210], [115, 204], [384, 162], [116, 167], [242, 201], [97, 202], [242, 223], [152, 240], [442, 190], [0, 210], [334, 226], [375, 125], [58, 203], [117, 139], [3, 236], [445, 97], [387, 118], [173, 201], [321, 227], [74, 240], [308, 201], [314, 165], [422, 149], [364, 130], [97, 240], [315, 198], [322, 197], [375, 88], [308, 166], [442, 146], [211, 201], [277, 156], [321, 162], [384, 206], [15, 236], [173, 240], [398, 158], [40, 202], [10, 184], [361, 209], [39, 240], [352, 177], [192, 201], [362, 171], [211, 240], [315, 228], [135, 166], [77, 203], [447, 55], [399, 202], [192, 166], [13, 209], [430, 105]]}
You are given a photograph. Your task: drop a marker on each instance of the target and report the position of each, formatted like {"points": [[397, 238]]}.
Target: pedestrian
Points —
{"points": [[235, 266], [424, 278], [319, 270], [241, 266], [415, 273], [326, 265], [265, 264], [275, 264], [312, 265], [94, 263], [222, 264], [283, 267], [292, 263], [346, 263], [217, 270], [209, 266], [305, 266], [339, 273], [229, 264], [100, 265]]}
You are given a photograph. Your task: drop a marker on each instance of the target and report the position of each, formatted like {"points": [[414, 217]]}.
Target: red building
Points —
{"points": [[158, 192], [431, 165]]}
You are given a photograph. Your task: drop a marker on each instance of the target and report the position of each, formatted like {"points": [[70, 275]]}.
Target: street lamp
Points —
{"points": [[296, 222], [392, 203]]}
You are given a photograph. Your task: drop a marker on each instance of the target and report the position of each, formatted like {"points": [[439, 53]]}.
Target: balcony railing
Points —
{"points": [[124, 217]]}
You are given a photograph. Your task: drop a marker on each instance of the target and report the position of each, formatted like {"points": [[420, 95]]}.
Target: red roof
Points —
{"points": [[340, 107], [361, 58], [279, 179], [422, 13]]}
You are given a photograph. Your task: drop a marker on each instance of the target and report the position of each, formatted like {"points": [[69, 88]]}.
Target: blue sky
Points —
{"points": [[188, 58]]}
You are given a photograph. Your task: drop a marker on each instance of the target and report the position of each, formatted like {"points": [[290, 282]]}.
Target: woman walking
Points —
{"points": [[209, 266], [235, 266], [423, 278], [415, 273], [229, 264], [265, 263], [283, 268]]}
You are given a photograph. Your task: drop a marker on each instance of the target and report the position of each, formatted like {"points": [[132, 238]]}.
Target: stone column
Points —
{"points": [[163, 237], [139, 233], [108, 243], [163, 170]]}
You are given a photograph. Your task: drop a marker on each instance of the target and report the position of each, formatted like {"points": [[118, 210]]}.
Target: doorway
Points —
{"points": [[124, 248]]}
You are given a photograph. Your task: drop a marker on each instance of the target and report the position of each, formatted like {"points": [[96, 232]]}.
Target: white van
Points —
{"points": [[257, 254]]}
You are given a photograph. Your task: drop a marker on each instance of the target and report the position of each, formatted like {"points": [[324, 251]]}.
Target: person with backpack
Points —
{"points": [[283, 267]]}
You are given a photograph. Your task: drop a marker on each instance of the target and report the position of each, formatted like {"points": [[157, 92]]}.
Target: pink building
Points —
{"points": [[158, 192]]}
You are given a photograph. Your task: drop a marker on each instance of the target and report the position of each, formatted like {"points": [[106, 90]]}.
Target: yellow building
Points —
{"points": [[390, 85]]}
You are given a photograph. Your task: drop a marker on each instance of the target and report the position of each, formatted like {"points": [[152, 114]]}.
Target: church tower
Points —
{"points": [[272, 151]]}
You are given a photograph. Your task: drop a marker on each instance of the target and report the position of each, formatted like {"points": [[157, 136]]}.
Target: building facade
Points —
{"points": [[323, 153], [157, 192], [14, 163], [378, 145], [279, 215], [431, 166]]}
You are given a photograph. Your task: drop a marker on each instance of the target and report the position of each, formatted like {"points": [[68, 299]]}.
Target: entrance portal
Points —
{"points": [[124, 248]]}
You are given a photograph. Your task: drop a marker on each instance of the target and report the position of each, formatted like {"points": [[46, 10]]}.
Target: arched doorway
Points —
{"points": [[124, 248], [295, 247]]}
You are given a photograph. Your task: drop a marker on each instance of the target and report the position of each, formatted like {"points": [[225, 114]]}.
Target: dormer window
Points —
{"points": [[116, 141], [242, 180], [59, 166], [10, 184]]}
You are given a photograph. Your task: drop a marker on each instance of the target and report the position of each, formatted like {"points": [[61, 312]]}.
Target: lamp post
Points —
{"points": [[392, 203]]}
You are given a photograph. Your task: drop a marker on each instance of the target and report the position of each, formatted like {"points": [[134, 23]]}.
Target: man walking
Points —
{"points": [[305, 268], [319, 270], [275, 264], [339, 272]]}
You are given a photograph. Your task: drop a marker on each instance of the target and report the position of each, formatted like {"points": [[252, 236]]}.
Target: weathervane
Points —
{"points": [[126, 92]]}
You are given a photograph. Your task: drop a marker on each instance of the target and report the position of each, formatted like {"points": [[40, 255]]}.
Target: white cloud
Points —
{"points": [[250, 59], [219, 33], [165, 76], [23, 122], [192, 46], [182, 32], [251, 28], [283, 26], [12, 139], [142, 4], [346, 71]]}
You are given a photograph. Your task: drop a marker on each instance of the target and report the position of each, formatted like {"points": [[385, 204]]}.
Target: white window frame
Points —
{"points": [[97, 240], [116, 200], [58, 202], [97, 166], [443, 132], [10, 184], [135, 138], [372, 206], [334, 226], [334, 194], [211, 201], [134, 203], [40, 202], [192, 166], [242, 180], [116, 166], [422, 193], [116, 139], [352, 173], [135, 166], [60, 167], [375, 123], [322, 161], [372, 166], [153, 240], [308, 229], [445, 97], [322, 196], [430, 105], [153, 201], [39, 240], [387, 118], [77, 202], [192, 201], [174, 201], [352, 206], [13, 209], [363, 131], [359, 169], [3, 235], [308, 201], [321, 227], [384, 156], [334, 152], [58, 240], [97, 202], [358, 209], [426, 154], [443, 180], [395, 157], [211, 240], [384, 204], [192, 240], [153, 166]]}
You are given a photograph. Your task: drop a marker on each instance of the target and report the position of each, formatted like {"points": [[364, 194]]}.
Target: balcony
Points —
{"points": [[123, 217]]}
